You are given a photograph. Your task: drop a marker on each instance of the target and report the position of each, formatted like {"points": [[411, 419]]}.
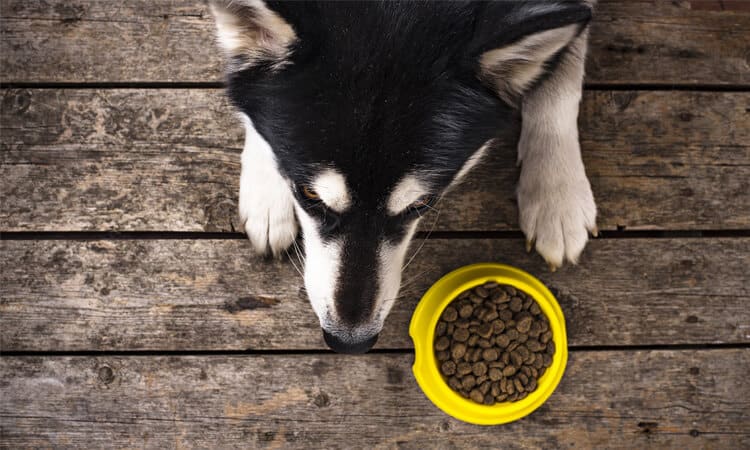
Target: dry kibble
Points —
{"points": [[460, 335], [450, 314], [458, 351], [524, 325], [442, 343], [485, 330], [465, 311], [493, 343], [463, 368], [448, 368], [468, 381], [490, 354], [479, 369]]}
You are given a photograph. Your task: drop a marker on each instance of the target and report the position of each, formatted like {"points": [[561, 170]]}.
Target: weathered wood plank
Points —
{"points": [[208, 295], [140, 160], [637, 41], [623, 399]]}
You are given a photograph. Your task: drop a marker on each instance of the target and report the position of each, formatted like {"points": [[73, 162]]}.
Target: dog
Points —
{"points": [[359, 116]]}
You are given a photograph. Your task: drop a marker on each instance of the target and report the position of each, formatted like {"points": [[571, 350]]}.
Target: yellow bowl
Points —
{"points": [[422, 332]]}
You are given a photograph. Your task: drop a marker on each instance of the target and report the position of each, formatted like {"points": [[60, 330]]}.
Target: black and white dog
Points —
{"points": [[360, 115]]}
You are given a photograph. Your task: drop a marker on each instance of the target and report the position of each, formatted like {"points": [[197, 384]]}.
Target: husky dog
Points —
{"points": [[360, 115]]}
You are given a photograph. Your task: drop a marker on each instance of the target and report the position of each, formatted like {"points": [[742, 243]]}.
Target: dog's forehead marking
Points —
{"points": [[331, 187], [408, 190]]}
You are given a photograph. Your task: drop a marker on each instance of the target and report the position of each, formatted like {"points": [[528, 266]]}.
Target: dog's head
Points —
{"points": [[373, 111]]}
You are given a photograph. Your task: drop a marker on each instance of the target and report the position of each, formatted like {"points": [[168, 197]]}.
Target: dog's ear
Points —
{"points": [[250, 33], [514, 45]]}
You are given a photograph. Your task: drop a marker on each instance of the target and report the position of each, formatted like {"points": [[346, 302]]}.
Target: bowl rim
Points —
{"points": [[422, 330]]}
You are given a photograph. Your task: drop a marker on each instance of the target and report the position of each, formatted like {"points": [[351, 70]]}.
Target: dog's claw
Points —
{"points": [[595, 231], [529, 243], [552, 267]]}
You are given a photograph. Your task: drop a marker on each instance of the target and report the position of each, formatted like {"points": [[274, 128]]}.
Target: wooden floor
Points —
{"points": [[132, 316]]}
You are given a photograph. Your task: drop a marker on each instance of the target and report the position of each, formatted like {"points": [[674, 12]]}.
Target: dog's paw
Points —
{"points": [[556, 213], [266, 211]]}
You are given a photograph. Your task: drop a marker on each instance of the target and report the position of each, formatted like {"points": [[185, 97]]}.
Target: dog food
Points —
{"points": [[493, 343]]}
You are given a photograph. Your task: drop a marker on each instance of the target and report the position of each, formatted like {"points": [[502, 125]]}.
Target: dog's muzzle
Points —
{"points": [[340, 346]]}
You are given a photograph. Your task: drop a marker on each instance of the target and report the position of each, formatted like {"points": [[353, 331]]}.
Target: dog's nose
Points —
{"points": [[340, 346]]}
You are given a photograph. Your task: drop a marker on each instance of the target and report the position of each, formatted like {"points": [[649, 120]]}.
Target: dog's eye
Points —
{"points": [[422, 202], [310, 193]]}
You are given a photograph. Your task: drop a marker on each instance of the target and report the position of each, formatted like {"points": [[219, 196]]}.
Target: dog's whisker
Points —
{"points": [[437, 215]]}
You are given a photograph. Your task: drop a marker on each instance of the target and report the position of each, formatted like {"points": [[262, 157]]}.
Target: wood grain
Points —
{"points": [[168, 159], [637, 41], [614, 400], [211, 295]]}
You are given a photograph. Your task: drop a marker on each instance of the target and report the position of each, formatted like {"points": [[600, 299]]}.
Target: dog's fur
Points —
{"points": [[360, 116]]}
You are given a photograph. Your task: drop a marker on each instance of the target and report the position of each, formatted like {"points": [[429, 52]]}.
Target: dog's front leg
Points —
{"points": [[266, 201], [556, 205]]}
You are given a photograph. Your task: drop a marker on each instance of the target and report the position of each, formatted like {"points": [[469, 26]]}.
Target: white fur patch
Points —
{"points": [[471, 162], [555, 201], [322, 268], [406, 192], [514, 68], [391, 259], [250, 31], [266, 204], [331, 187]]}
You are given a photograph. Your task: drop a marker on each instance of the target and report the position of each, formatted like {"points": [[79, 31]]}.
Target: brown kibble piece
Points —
{"points": [[490, 354], [547, 360], [485, 330], [518, 385], [465, 311], [450, 314], [442, 343], [498, 326], [442, 355], [509, 371], [482, 379], [495, 374], [468, 382], [479, 369], [484, 343], [503, 340], [534, 309], [484, 388], [454, 383], [441, 328], [545, 337], [481, 291], [512, 334], [476, 396], [458, 351], [501, 398], [472, 340], [516, 304], [516, 359], [495, 389], [476, 354], [463, 368], [510, 290], [524, 324], [461, 335], [448, 368]]}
